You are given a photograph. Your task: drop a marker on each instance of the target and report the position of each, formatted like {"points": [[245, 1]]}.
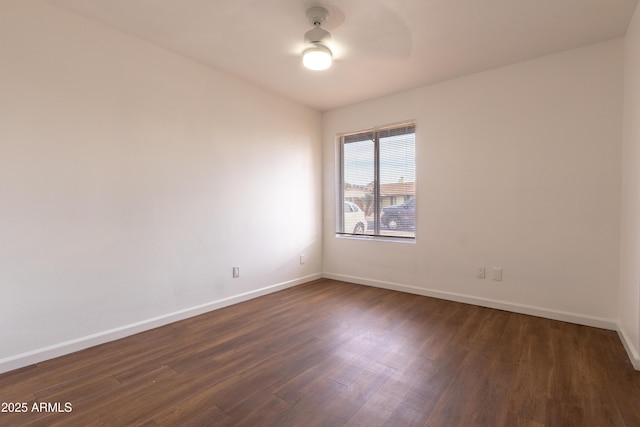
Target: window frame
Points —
{"points": [[377, 204]]}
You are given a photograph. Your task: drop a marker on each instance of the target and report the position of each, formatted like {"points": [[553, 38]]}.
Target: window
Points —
{"points": [[377, 184]]}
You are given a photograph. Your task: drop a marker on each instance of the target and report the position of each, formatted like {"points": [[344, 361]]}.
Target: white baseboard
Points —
{"points": [[579, 319], [61, 349], [632, 352]]}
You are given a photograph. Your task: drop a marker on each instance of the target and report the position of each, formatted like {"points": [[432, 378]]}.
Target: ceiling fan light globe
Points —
{"points": [[317, 58]]}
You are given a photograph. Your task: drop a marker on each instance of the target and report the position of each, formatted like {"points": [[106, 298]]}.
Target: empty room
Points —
{"points": [[333, 212]]}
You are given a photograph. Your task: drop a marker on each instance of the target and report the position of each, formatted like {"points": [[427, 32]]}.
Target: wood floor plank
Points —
{"points": [[312, 405], [330, 353]]}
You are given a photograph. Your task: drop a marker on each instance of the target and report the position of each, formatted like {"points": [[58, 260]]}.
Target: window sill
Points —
{"points": [[394, 239]]}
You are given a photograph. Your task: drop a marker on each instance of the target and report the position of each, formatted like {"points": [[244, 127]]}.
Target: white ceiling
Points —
{"points": [[380, 46]]}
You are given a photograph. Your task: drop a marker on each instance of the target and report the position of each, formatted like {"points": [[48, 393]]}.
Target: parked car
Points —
{"points": [[401, 216], [354, 219]]}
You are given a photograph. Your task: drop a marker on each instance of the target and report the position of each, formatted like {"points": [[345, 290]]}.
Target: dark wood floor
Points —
{"points": [[330, 353]]}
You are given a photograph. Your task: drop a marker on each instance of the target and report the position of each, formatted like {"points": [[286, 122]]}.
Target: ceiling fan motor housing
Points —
{"points": [[317, 35]]}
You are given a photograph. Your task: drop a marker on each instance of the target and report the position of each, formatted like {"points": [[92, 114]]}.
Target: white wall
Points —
{"points": [[518, 167], [132, 180], [630, 223]]}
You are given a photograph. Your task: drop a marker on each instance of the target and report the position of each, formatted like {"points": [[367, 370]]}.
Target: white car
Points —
{"points": [[354, 220]]}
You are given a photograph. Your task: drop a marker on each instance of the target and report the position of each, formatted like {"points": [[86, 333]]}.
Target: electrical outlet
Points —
{"points": [[496, 273], [302, 260], [480, 273], [236, 272]]}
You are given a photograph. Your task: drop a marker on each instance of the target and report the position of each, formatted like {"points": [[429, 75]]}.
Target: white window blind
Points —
{"points": [[377, 185]]}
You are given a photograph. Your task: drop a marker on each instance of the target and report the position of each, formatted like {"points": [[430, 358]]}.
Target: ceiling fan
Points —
{"points": [[389, 38], [317, 55]]}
